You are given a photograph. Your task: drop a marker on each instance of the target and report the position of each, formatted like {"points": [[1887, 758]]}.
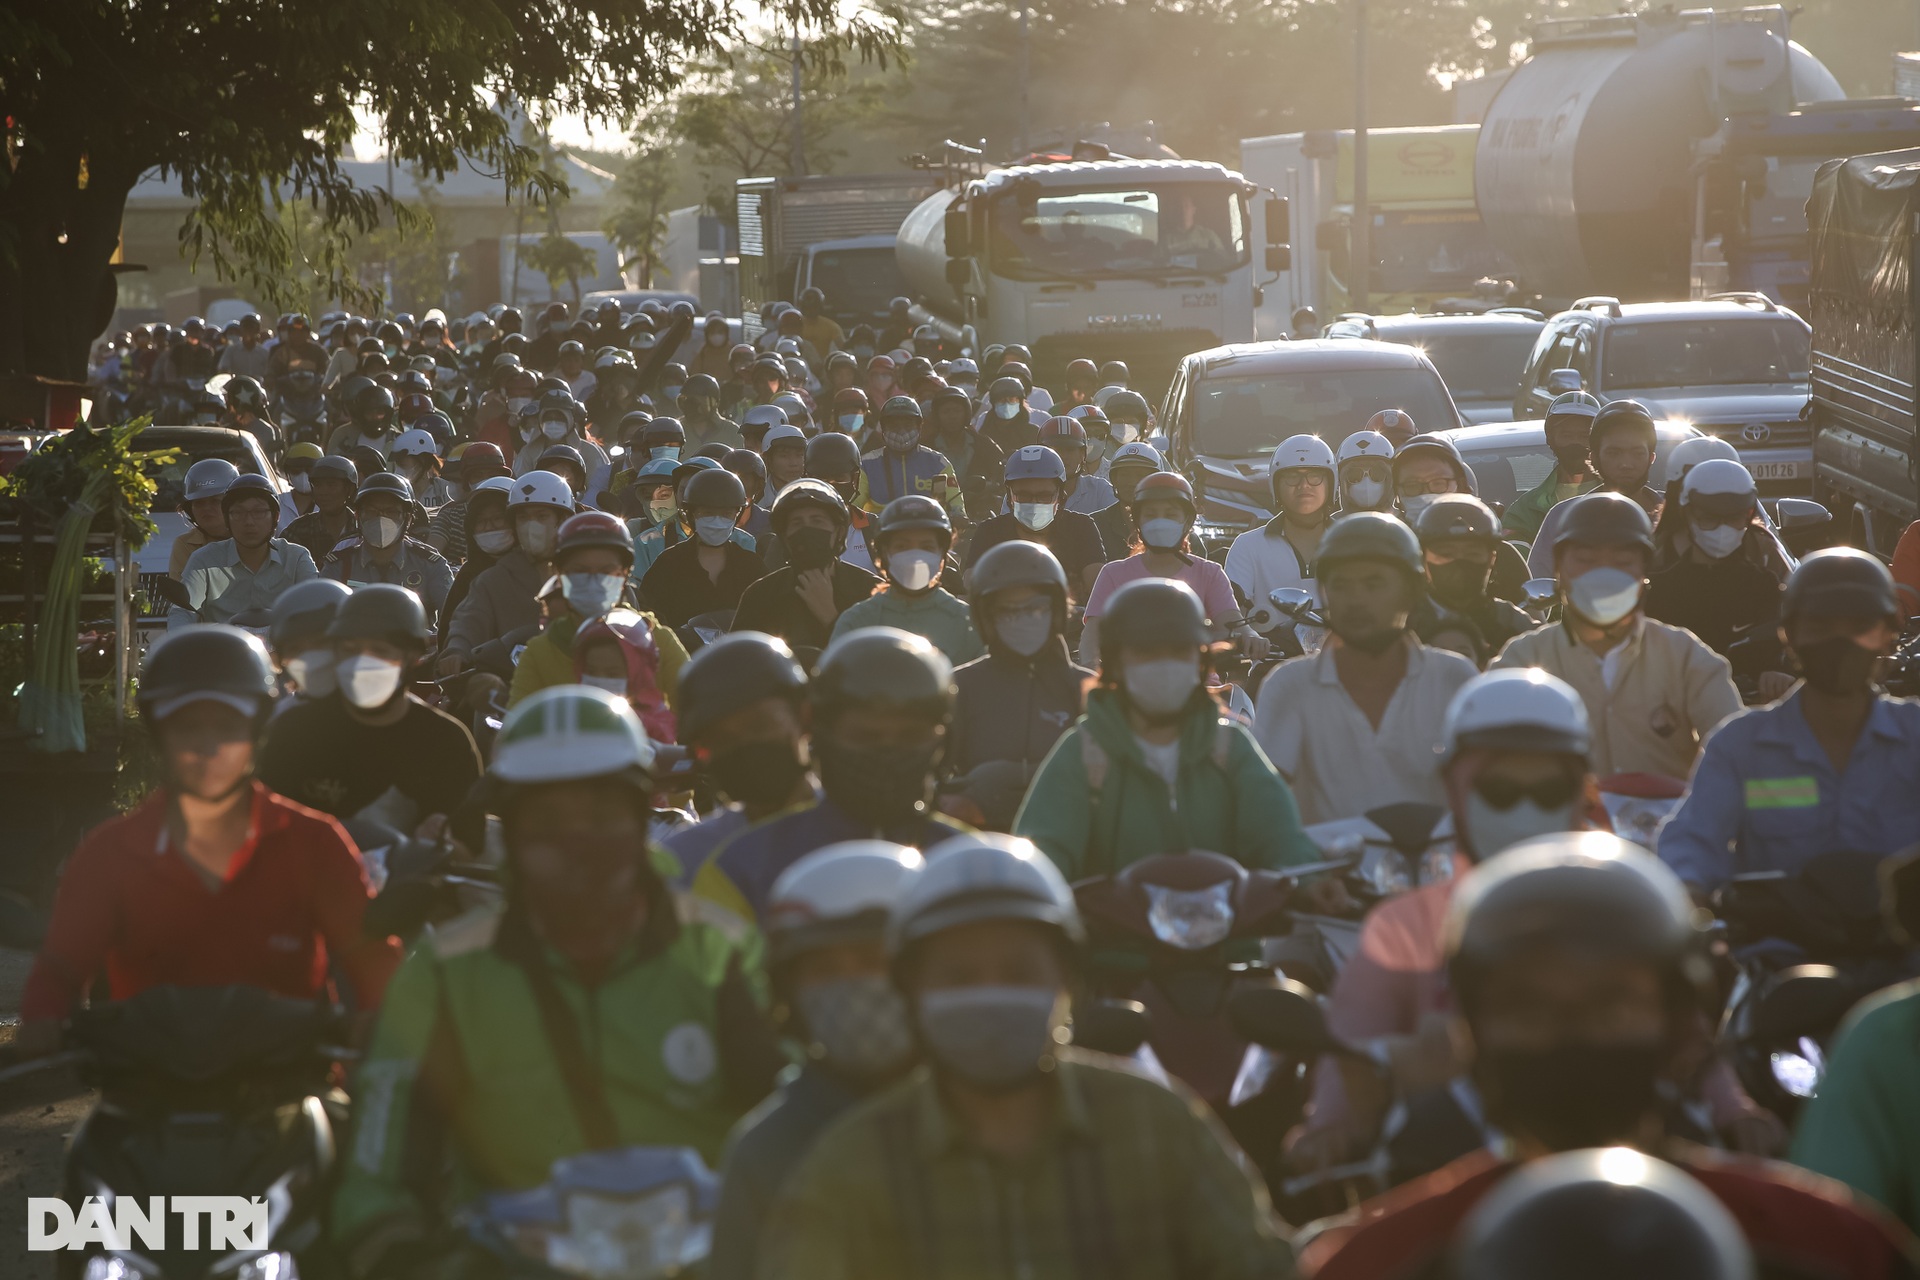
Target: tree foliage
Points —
{"points": [[643, 191]]}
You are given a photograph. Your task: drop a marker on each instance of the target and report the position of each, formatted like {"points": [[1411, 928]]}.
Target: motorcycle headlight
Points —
{"points": [[1191, 919], [269, 1266], [633, 1238], [1799, 1073], [1384, 871], [100, 1267]]}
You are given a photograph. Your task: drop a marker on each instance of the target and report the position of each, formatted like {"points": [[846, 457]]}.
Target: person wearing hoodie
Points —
{"points": [[1154, 766], [1429, 465], [1014, 703], [915, 535]]}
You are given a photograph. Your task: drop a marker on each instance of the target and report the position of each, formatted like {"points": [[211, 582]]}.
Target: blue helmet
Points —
{"points": [[1035, 462]]}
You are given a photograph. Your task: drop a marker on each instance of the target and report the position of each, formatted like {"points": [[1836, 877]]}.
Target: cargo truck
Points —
{"points": [[831, 231]]}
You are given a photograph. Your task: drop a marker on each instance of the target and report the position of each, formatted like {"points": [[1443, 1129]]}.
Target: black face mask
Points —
{"points": [[849, 490], [1837, 666], [1572, 459], [884, 786], [1571, 1096], [760, 775], [1459, 581], [810, 548]]}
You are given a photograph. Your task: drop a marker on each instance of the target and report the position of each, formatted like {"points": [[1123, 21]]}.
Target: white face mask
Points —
{"points": [[494, 541], [1414, 505], [1365, 495], [368, 682], [1604, 596], [1161, 687], [593, 594], [380, 532], [554, 429], [610, 684], [517, 403], [912, 570], [312, 673], [1025, 632], [716, 339], [1163, 534], [1034, 515], [1491, 830], [1123, 432], [1720, 541], [1007, 409], [714, 531], [535, 536]]}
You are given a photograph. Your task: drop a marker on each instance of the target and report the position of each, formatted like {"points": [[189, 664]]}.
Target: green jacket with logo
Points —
{"points": [[1229, 799], [1524, 516], [461, 1091]]}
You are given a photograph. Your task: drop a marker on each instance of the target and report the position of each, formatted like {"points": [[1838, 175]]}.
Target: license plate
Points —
{"points": [[1777, 470]]}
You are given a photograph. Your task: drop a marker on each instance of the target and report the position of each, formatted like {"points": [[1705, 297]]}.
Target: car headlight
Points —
{"points": [[100, 1267], [1799, 1073], [1191, 919]]}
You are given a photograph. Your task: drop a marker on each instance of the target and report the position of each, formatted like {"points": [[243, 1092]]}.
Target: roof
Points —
{"points": [[1533, 431], [1436, 323], [1108, 173], [1702, 310], [1317, 353], [464, 184]]}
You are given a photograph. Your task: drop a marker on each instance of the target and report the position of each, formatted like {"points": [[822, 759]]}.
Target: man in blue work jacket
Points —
{"points": [[1832, 767]]}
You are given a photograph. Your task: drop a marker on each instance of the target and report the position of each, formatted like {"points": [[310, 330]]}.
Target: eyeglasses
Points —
{"points": [[1547, 793], [1414, 488]]}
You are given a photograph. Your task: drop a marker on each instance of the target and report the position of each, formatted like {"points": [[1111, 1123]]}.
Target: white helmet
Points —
{"points": [[781, 431], [764, 415], [541, 489], [1142, 450], [1366, 444], [1040, 398], [1691, 452], [982, 877], [415, 442], [1302, 451], [569, 732], [1718, 476], [1517, 709], [1100, 396], [793, 406], [493, 484], [210, 478], [842, 893]]}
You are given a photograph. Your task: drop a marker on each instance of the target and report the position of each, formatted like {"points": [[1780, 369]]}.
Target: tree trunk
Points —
{"points": [[57, 242]]}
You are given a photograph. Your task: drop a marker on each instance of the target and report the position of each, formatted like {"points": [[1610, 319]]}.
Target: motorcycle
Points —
{"points": [[1385, 852], [205, 1091], [635, 1213], [1181, 935], [301, 409], [1291, 620], [1637, 803]]}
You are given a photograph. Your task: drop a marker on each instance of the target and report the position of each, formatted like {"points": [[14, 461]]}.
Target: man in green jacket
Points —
{"points": [[589, 1014], [1864, 1125], [1153, 767], [1569, 420], [915, 534]]}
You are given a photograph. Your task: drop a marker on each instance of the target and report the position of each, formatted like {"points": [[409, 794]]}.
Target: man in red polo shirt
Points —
{"points": [[1577, 963], [213, 880]]}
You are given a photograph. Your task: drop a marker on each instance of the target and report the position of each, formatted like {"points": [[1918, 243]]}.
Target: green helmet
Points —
{"points": [[569, 733]]}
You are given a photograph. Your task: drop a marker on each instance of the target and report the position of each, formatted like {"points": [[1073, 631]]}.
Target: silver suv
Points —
{"points": [[1735, 365]]}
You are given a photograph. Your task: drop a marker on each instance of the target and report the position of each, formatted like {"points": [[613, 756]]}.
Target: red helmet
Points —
{"points": [[1165, 484], [483, 459], [1063, 429], [851, 400], [1389, 421], [880, 364], [595, 529], [412, 406]]}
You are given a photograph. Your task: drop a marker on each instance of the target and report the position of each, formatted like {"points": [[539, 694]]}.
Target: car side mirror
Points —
{"points": [[1800, 514], [1541, 591], [1118, 1027], [1286, 1017], [1561, 381]]}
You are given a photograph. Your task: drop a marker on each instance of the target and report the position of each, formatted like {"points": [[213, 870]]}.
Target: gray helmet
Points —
{"points": [[1839, 582], [381, 611], [882, 667], [1371, 535], [209, 478], [969, 879], [808, 492], [305, 610], [336, 467], [904, 408], [1604, 519], [1035, 462], [732, 673], [716, 489], [387, 483], [1457, 515], [1015, 564], [914, 511], [1153, 613], [212, 662]]}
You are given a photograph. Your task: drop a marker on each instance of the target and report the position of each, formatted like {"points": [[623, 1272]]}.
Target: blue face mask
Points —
{"points": [[672, 394], [850, 422], [665, 451], [593, 595]]}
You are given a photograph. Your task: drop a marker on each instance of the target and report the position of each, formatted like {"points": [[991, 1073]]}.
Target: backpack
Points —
{"points": [[636, 640]]}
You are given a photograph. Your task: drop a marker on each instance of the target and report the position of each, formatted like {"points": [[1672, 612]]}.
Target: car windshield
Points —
{"points": [[1483, 364], [1039, 231], [1704, 353], [171, 477], [858, 281], [1238, 417]]}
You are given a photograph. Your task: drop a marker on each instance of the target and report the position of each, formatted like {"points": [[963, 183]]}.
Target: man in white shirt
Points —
{"points": [[1281, 552], [1359, 724]]}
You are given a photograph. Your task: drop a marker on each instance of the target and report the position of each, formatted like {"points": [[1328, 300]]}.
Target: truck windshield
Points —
{"points": [[1041, 231], [1239, 417], [858, 282], [1705, 353]]}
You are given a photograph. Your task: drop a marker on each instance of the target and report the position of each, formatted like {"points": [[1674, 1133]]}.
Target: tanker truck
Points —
{"points": [[1137, 260], [1666, 155]]}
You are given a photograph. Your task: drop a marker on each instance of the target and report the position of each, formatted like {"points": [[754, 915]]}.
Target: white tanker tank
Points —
{"points": [[1638, 155]]}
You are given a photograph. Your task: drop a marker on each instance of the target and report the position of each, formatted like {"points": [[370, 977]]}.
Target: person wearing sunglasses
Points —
{"points": [[1514, 766]]}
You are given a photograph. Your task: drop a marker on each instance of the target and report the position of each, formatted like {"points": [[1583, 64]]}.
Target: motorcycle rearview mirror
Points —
{"points": [[1541, 591], [174, 592], [1793, 514], [1290, 600], [1408, 824], [1806, 1000], [1118, 1027], [1286, 1017]]}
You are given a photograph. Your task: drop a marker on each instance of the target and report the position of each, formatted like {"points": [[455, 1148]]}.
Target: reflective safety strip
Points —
{"points": [[1783, 793]]}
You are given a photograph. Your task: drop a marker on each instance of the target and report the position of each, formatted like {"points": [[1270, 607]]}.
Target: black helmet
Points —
{"points": [[1152, 613], [381, 611], [1622, 413], [900, 407], [748, 465], [805, 493], [632, 423], [1007, 389], [662, 433], [732, 673], [562, 453], [1840, 582], [304, 611], [832, 453], [245, 393], [715, 489], [372, 405], [250, 485], [1130, 405], [1015, 564], [389, 332], [882, 667], [212, 661], [1457, 515], [1600, 1213], [701, 384], [1589, 890], [1114, 373], [388, 483], [1370, 535], [915, 511], [335, 467], [1604, 519]]}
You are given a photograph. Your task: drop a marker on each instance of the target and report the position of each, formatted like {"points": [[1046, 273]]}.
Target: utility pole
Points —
{"points": [[1026, 62], [798, 161], [1360, 242]]}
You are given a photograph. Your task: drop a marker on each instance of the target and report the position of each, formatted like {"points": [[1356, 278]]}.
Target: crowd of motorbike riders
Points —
{"points": [[830, 728]]}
